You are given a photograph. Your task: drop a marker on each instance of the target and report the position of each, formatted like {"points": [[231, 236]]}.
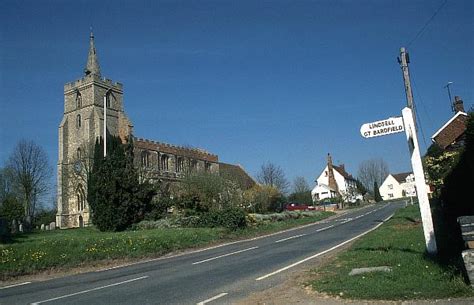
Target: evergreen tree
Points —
{"points": [[116, 196]]}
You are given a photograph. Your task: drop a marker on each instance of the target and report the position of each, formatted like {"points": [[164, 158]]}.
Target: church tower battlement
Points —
{"points": [[81, 125]]}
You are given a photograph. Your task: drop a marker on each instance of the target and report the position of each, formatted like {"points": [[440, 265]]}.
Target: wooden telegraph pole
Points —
{"points": [[412, 138]]}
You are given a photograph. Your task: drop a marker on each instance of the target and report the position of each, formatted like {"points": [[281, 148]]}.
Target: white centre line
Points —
{"points": [[224, 255], [14, 285], [321, 253], [213, 298], [89, 290], [325, 228], [288, 238]]}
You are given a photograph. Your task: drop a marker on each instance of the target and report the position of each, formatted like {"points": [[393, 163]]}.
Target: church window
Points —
{"points": [[164, 162], [79, 153], [180, 165], [145, 156], [81, 199], [193, 165], [78, 100], [108, 98], [78, 121]]}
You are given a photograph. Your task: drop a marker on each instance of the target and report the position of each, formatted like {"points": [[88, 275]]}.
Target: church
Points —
{"points": [[86, 100]]}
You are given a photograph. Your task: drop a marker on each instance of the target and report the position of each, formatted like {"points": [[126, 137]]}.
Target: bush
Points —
{"points": [[231, 218]]}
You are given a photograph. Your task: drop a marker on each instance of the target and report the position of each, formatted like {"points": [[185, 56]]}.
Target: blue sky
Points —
{"points": [[252, 81]]}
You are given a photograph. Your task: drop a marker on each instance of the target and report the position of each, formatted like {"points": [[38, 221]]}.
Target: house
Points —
{"points": [[335, 182], [399, 186], [451, 135]]}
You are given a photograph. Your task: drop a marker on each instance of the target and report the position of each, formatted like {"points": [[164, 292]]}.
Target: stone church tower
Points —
{"points": [[82, 124]]}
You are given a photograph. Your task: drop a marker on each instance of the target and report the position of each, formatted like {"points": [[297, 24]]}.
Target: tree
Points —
{"points": [[115, 194], [300, 185], [377, 195], [371, 171], [30, 171], [272, 175]]}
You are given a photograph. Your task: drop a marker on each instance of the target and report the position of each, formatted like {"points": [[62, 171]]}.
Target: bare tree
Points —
{"points": [[30, 172], [300, 185], [372, 171], [272, 175]]}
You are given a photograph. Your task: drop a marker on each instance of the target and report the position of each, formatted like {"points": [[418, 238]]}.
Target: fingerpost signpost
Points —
{"points": [[407, 123]]}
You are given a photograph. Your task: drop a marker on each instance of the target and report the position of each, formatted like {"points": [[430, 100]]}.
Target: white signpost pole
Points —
{"points": [[420, 183]]}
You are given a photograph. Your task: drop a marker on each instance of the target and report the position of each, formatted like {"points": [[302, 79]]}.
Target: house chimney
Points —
{"points": [[331, 179], [458, 104]]}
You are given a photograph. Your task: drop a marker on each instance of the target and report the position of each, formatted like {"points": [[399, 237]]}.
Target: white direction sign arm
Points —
{"points": [[382, 128]]}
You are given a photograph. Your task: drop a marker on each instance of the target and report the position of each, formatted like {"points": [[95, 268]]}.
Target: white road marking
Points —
{"points": [[14, 285], [288, 238], [90, 290], [213, 298], [325, 228], [321, 253], [224, 255]]}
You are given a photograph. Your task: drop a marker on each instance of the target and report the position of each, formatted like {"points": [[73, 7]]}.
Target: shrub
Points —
{"points": [[231, 218]]}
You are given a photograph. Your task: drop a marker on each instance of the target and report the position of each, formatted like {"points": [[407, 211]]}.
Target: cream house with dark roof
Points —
{"points": [[334, 182]]}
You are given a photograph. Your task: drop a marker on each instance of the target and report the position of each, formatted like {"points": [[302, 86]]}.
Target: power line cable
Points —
{"points": [[423, 28]]}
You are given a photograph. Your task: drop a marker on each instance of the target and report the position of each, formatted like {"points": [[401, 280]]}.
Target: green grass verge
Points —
{"points": [[399, 244], [63, 249]]}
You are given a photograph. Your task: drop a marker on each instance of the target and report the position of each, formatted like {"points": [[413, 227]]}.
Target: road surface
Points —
{"points": [[216, 275]]}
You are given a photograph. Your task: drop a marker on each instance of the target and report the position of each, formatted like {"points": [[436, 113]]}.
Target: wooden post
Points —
{"points": [[422, 194], [404, 60]]}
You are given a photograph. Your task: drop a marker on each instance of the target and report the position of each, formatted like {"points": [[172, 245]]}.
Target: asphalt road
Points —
{"points": [[217, 275]]}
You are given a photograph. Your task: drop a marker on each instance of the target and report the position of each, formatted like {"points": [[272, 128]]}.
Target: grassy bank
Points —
{"points": [[399, 244], [63, 249]]}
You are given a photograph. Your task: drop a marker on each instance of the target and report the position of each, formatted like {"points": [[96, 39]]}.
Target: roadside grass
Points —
{"points": [[399, 244], [63, 249]]}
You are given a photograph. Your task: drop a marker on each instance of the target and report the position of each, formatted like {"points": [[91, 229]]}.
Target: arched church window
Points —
{"points": [[145, 156], [108, 98], [179, 164], [79, 153], [78, 121], [78, 100], [164, 162], [81, 199]]}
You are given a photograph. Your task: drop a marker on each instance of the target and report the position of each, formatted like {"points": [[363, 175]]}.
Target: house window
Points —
{"points": [[207, 166], [390, 195], [164, 160], [145, 158], [390, 186], [78, 121]]}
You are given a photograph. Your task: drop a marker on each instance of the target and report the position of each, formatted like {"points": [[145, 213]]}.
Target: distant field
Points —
{"points": [[62, 249], [399, 244]]}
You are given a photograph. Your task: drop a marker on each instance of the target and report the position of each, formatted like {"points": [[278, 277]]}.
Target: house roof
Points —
{"points": [[451, 130], [401, 177], [341, 170]]}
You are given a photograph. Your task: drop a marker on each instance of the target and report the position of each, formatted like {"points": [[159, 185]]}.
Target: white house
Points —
{"points": [[333, 182], [399, 186]]}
